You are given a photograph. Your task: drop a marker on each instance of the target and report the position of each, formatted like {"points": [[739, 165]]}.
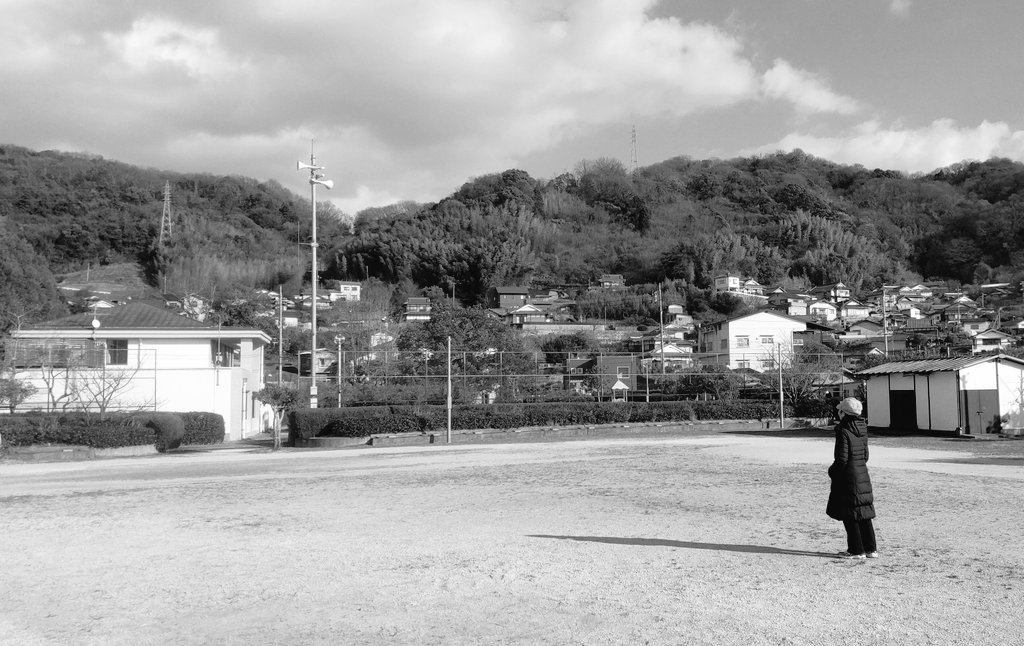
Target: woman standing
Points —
{"points": [[850, 498]]}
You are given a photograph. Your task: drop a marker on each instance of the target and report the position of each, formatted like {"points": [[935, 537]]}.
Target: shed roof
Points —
{"points": [[925, 366]]}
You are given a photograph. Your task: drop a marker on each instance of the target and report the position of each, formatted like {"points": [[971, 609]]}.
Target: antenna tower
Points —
{"points": [[166, 219], [632, 159]]}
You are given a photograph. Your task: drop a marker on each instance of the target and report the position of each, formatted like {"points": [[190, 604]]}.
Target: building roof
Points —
{"points": [[926, 366], [512, 290], [134, 316]]}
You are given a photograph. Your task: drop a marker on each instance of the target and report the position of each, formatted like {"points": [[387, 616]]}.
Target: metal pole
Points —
{"points": [[782, 412], [280, 335], [885, 325], [449, 440], [661, 319], [313, 280]]}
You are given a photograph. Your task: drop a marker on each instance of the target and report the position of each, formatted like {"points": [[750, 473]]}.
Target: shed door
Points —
{"points": [[902, 410], [980, 412]]}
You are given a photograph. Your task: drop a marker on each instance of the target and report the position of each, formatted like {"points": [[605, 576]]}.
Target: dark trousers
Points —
{"points": [[860, 536]]}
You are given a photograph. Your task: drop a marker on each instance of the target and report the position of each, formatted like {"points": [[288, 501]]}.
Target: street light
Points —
{"points": [[315, 178]]}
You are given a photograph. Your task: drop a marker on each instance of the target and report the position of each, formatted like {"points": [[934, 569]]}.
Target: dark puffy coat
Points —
{"points": [[850, 497]]}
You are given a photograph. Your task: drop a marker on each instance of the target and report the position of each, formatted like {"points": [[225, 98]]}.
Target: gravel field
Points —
{"points": [[689, 539]]}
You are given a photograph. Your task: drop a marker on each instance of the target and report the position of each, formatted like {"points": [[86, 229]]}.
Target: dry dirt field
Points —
{"points": [[685, 539]]}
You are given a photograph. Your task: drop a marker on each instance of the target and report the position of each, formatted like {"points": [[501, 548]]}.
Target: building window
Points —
{"points": [[117, 352], [743, 363], [725, 344], [743, 342], [622, 372], [768, 340]]}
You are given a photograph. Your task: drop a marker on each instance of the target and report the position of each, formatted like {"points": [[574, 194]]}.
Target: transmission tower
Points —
{"points": [[632, 159], [166, 220]]}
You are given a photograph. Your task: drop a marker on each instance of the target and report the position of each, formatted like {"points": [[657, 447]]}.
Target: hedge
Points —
{"points": [[203, 428], [368, 420], [74, 429], [168, 429], [116, 430]]}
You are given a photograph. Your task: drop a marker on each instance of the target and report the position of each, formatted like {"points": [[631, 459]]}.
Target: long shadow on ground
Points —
{"points": [[661, 542]]}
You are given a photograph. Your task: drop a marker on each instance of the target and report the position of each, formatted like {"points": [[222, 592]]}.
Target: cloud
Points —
{"points": [[899, 7], [807, 93], [405, 98], [938, 144]]}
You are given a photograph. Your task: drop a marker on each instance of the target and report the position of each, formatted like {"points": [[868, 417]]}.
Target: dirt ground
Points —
{"points": [[710, 539]]}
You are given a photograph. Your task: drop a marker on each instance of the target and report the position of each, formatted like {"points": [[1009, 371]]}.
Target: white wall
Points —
{"points": [[878, 401]]}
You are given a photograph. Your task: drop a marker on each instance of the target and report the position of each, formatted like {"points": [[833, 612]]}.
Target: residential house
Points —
{"points": [[822, 310], [344, 290], [866, 328], [974, 325], [853, 310], [417, 308], [976, 395], [527, 314], [509, 297], [325, 361], [990, 340], [675, 355], [754, 341], [736, 285], [834, 293], [790, 303], [611, 281], [141, 357]]}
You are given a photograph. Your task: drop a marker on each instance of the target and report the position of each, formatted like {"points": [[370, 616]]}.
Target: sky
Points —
{"points": [[408, 100]]}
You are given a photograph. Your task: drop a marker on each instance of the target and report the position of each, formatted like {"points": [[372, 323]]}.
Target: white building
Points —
{"points": [[983, 394], [141, 357], [754, 341], [345, 291]]}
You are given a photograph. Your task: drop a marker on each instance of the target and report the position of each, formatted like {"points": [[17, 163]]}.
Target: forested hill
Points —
{"points": [[63, 212], [788, 219]]}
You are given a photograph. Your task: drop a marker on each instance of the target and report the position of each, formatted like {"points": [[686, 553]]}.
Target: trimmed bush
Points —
{"points": [[78, 429], [169, 429], [202, 428]]}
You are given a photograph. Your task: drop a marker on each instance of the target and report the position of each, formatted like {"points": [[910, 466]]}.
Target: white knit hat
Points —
{"points": [[850, 405]]}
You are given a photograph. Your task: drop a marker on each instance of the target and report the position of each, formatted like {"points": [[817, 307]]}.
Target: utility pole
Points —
{"points": [[166, 219]]}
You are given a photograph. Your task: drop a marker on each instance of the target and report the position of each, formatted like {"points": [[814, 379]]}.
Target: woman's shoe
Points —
{"points": [[872, 555], [847, 555]]}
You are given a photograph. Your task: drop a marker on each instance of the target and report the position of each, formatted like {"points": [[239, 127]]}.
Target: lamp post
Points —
{"points": [[315, 177]]}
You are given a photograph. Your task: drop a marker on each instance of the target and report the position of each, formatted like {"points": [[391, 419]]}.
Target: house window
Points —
{"points": [[798, 341], [622, 372], [768, 340], [725, 344], [743, 363], [117, 352], [743, 342]]}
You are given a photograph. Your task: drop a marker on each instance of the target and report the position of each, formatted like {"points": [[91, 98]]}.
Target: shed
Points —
{"points": [[978, 394]]}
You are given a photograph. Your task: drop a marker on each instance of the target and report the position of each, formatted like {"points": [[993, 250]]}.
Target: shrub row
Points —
{"points": [[116, 430], [368, 420]]}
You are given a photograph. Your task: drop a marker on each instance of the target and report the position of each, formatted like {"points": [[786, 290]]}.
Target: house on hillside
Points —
{"points": [[789, 303], [140, 357], [344, 290], [753, 341], [834, 293], [417, 308], [990, 341], [611, 281], [508, 297], [976, 395], [822, 310], [853, 310]]}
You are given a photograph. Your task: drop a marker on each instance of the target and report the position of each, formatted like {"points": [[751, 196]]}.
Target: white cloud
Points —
{"points": [[408, 98], [899, 7], [807, 93], [938, 144]]}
